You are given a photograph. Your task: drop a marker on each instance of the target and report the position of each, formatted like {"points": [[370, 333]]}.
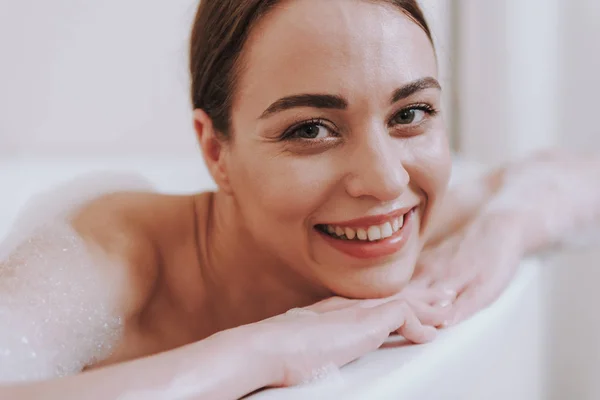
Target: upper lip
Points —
{"points": [[372, 220]]}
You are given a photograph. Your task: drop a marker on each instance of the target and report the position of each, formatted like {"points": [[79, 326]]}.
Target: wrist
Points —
{"points": [[254, 355]]}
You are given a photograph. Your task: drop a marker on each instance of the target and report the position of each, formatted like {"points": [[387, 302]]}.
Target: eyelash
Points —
{"points": [[288, 134], [427, 108]]}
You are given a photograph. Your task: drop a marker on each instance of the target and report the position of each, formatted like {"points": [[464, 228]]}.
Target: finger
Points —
{"points": [[471, 300], [413, 330], [393, 316], [367, 328], [421, 281], [451, 287], [431, 315], [439, 296], [364, 329]]}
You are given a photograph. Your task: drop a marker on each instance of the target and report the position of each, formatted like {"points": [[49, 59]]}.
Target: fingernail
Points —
{"points": [[446, 324], [450, 293], [430, 333], [444, 303]]}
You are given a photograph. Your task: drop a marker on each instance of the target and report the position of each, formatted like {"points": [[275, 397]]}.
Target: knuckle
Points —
{"points": [[375, 335]]}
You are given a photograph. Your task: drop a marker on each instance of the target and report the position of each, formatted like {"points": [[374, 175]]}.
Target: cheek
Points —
{"points": [[430, 166], [283, 189]]}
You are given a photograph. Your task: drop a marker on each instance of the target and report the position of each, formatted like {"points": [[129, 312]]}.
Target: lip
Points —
{"points": [[366, 222], [373, 250]]}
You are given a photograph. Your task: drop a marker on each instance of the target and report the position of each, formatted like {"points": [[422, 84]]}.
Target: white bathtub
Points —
{"points": [[496, 355]]}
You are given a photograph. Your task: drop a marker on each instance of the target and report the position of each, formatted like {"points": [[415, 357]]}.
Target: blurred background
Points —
{"points": [[81, 78], [84, 79]]}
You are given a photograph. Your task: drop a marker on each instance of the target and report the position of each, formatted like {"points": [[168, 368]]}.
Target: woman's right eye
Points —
{"points": [[309, 131]]}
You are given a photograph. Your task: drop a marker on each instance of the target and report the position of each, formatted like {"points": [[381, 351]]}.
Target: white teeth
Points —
{"points": [[350, 233], [386, 230], [362, 234], [374, 233]]}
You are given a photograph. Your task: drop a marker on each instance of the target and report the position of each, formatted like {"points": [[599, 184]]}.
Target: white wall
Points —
{"points": [[580, 78], [575, 275], [528, 78], [507, 77], [440, 16], [85, 78]]}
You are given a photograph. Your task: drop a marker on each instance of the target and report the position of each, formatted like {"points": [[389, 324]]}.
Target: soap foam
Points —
{"points": [[329, 373], [55, 317], [559, 199], [63, 200]]}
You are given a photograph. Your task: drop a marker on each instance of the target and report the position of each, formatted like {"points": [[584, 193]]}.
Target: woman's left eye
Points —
{"points": [[411, 115]]}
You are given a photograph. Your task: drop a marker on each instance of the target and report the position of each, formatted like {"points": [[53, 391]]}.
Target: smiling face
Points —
{"points": [[338, 152]]}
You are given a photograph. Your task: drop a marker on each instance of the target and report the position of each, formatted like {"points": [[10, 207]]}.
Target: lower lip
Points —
{"points": [[369, 250]]}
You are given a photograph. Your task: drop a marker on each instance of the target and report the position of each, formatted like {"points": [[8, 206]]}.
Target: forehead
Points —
{"points": [[333, 46]]}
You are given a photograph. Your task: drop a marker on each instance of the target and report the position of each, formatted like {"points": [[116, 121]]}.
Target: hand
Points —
{"points": [[556, 195], [306, 343], [474, 264]]}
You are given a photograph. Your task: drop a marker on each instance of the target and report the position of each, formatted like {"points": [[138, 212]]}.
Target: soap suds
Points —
{"points": [[558, 199], [55, 316]]}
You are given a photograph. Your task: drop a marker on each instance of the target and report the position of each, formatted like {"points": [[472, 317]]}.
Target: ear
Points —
{"points": [[213, 149]]}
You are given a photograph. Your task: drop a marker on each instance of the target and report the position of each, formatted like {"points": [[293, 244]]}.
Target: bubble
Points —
{"points": [[54, 319], [557, 198], [329, 373]]}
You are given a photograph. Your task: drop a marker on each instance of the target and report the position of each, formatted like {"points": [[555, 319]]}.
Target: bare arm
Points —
{"points": [[282, 351], [67, 290], [220, 367], [541, 202], [98, 256], [549, 198], [65, 293]]}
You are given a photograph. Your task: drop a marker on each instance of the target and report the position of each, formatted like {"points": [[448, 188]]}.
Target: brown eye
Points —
{"points": [[409, 116], [311, 130]]}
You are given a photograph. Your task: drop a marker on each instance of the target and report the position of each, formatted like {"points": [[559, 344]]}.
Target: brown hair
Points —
{"points": [[221, 28]]}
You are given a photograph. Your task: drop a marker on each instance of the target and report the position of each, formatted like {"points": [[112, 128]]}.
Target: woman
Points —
{"points": [[324, 134]]}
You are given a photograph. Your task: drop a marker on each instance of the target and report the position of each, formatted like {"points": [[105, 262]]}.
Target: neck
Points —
{"points": [[245, 283]]}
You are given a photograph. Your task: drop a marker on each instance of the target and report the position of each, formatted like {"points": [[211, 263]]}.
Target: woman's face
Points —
{"points": [[339, 152]]}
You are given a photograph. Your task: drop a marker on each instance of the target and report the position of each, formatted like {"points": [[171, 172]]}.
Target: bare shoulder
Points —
{"points": [[133, 230]]}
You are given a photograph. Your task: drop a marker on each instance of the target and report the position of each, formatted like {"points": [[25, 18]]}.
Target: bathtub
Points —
{"points": [[498, 354]]}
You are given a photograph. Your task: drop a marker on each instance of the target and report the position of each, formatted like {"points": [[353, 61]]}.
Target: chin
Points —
{"points": [[374, 283]]}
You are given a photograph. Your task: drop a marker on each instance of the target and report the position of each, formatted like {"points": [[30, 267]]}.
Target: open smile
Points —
{"points": [[370, 237]]}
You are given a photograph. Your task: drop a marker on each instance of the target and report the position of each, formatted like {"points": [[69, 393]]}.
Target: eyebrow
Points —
{"points": [[306, 100], [414, 87], [340, 103]]}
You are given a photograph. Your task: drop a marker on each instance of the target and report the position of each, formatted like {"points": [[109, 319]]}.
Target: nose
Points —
{"points": [[377, 170]]}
